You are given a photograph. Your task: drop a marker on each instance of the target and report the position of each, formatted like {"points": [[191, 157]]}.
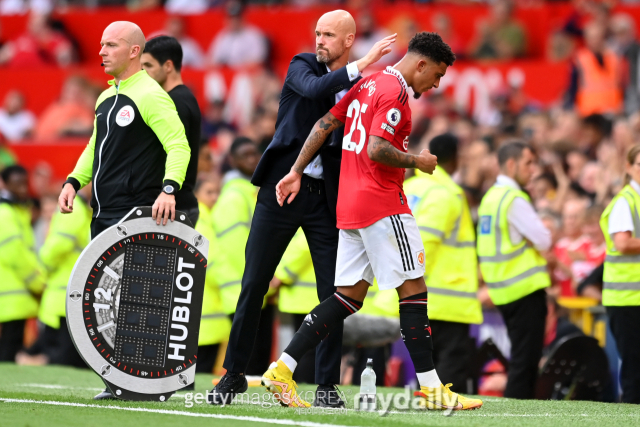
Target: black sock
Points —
{"points": [[416, 332], [317, 324]]}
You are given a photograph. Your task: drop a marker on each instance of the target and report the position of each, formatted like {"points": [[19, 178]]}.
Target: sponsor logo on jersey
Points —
{"points": [[405, 143], [420, 257], [388, 128], [393, 116], [125, 116]]}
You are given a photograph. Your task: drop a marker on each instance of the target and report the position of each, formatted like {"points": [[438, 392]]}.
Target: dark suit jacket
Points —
{"points": [[308, 94]]}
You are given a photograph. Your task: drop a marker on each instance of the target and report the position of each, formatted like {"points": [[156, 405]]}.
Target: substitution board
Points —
{"points": [[134, 302]]}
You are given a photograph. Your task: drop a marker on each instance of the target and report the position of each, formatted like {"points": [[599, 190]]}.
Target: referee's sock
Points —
{"points": [[317, 325], [416, 334]]}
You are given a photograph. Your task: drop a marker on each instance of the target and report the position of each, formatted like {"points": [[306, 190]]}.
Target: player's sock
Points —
{"points": [[416, 334], [318, 324], [289, 361]]}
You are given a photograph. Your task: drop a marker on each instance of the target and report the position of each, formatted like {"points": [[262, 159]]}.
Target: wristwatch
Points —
{"points": [[168, 189]]}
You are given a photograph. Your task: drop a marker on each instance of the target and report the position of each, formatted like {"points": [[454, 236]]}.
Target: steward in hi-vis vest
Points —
{"points": [[510, 240], [620, 224], [20, 272], [451, 266]]}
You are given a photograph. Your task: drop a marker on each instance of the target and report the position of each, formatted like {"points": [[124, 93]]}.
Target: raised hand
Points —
{"points": [[380, 49]]}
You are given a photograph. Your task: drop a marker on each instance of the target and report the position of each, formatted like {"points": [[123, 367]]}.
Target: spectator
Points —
{"points": [[499, 37], [72, 115], [16, 123], [192, 55], [186, 7], [7, 158], [623, 30], [39, 46], [596, 76], [21, 7], [238, 45], [572, 247]]}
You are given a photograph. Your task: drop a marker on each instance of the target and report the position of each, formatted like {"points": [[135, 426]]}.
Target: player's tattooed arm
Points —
{"points": [[323, 127], [382, 151]]}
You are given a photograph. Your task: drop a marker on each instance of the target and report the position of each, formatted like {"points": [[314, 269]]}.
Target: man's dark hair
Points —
{"points": [[512, 150], [239, 142], [9, 171], [431, 45], [600, 123], [444, 147], [163, 48]]}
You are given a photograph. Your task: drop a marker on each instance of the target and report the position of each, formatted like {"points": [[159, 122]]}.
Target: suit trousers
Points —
{"points": [[624, 321], [451, 353], [525, 319], [272, 228]]}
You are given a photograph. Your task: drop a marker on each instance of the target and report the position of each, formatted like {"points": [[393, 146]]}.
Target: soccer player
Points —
{"points": [[378, 235]]}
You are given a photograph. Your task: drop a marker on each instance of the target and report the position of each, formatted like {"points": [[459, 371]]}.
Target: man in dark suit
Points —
{"points": [[313, 85]]}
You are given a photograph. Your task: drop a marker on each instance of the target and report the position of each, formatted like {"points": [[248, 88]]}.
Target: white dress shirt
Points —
{"points": [[315, 169], [620, 218], [523, 220]]}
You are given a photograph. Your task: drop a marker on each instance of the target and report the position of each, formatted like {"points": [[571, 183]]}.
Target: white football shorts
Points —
{"points": [[390, 250]]}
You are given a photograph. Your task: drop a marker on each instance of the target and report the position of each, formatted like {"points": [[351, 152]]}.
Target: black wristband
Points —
{"points": [[74, 182], [174, 184]]}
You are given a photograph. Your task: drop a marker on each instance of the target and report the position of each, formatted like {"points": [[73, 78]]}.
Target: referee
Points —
{"points": [[138, 153], [162, 60], [314, 83]]}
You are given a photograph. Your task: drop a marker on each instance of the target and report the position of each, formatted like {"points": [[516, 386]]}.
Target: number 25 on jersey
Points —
{"points": [[355, 112]]}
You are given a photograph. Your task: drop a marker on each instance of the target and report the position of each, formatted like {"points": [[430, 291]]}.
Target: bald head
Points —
{"points": [[340, 20], [127, 31], [335, 33], [122, 46]]}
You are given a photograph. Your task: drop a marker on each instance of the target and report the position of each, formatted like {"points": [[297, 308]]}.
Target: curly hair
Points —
{"points": [[432, 46]]}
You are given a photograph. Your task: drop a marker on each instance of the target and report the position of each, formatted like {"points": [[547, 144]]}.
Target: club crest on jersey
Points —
{"points": [[125, 116], [420, 257], [393, 116]]}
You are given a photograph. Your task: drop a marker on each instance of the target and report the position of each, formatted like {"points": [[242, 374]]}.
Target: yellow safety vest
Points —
{"points": [[295, 271], [450, 249], [231, 217], [510, 271], [621, 283], [215, 325], [68, 235], [20, 271]]}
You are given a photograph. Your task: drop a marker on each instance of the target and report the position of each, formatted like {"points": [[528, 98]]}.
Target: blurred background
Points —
{"points": [[522, 72]]}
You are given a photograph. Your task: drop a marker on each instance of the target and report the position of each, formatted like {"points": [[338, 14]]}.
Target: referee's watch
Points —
{"points": [[169, 188]]}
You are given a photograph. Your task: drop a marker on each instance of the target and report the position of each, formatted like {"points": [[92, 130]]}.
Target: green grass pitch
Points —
{"points": [[57, 396]]}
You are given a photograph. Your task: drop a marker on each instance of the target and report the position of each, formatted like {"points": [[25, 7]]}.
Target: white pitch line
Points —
{"points": [[184, 413]]}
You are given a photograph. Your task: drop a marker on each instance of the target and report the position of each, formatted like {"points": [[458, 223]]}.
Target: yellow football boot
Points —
{"points": [[442, 398], [278, 380]]}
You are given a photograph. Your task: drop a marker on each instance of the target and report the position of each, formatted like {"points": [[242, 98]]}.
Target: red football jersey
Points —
{"points": [[369, 191]]}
